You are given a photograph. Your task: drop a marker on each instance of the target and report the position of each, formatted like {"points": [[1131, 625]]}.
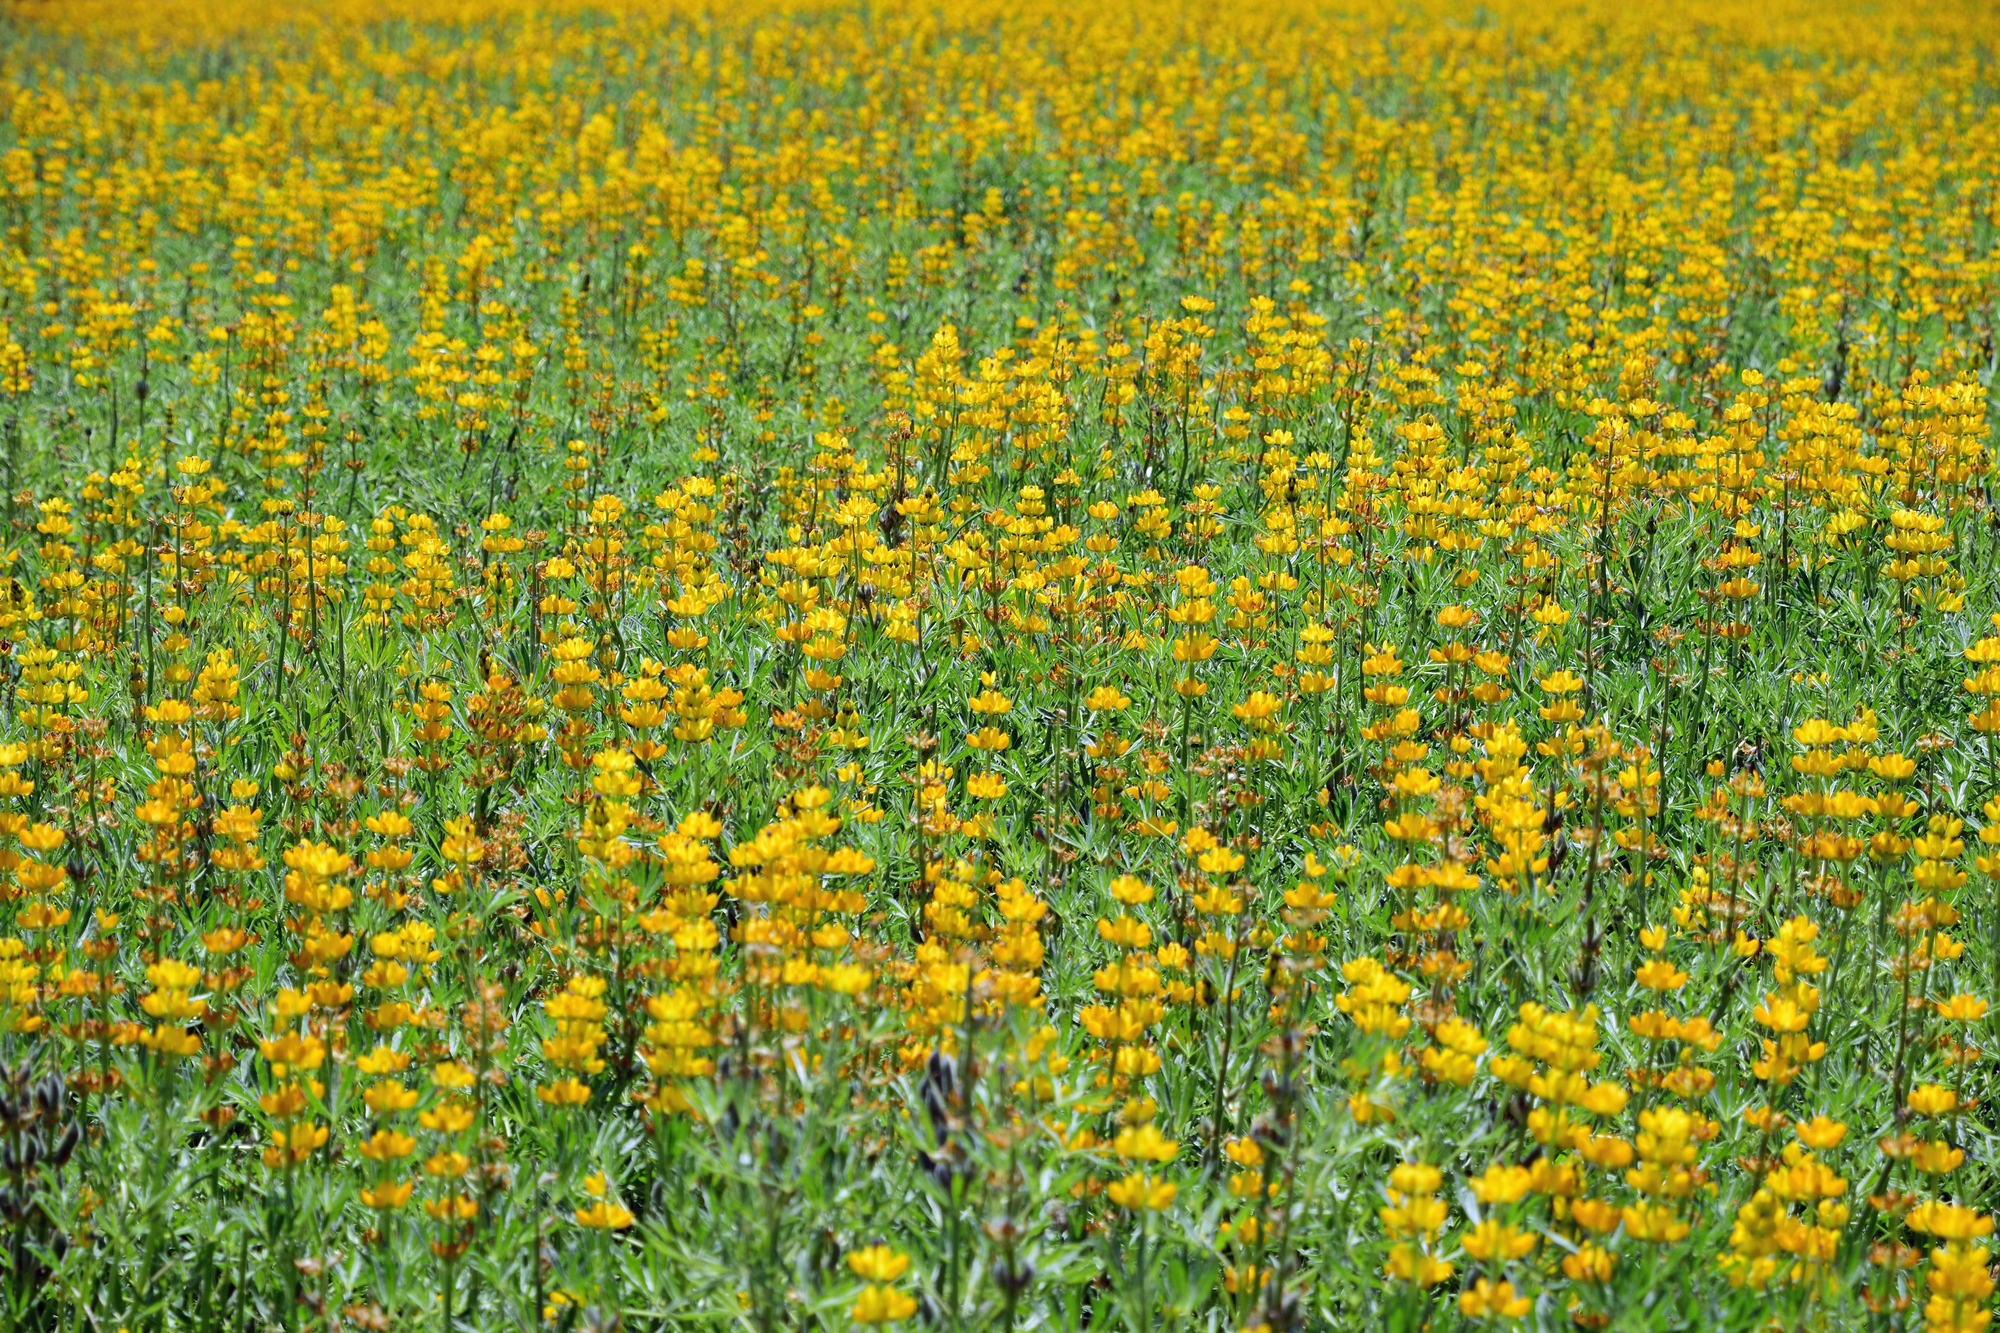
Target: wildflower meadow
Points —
{"points": [[1157, 665]]}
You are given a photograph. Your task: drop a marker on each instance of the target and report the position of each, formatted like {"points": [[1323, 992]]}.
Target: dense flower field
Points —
{"points": [[1244, 666]]}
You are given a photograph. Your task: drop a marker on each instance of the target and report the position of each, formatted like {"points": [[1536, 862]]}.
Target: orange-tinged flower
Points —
{"points": [[566, 1092], [387, 1196], [1821, 1133], [386, 1145]]}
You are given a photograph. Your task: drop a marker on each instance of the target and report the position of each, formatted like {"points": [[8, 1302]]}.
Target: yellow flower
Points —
{"points": [[1144, 1143], [1407, 1263], [173, 1042], [1821, 1133], [388, 1195], [1106, 698], [1932, 1099], [1486, 1299], [1949, 1221], [567, 1092], [878, 1263], [604, 1216], [1962, 1009], [1604, 1099], [1500, 1184], [447, 1117], [1590, 1263], [986, 786], [452, 1208], [1660, 975], [1493, 1241], [387, 1145], [882, 1305], [447, 1165], [1960, 1272], [1139, 1192], [1654, 1222]]}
